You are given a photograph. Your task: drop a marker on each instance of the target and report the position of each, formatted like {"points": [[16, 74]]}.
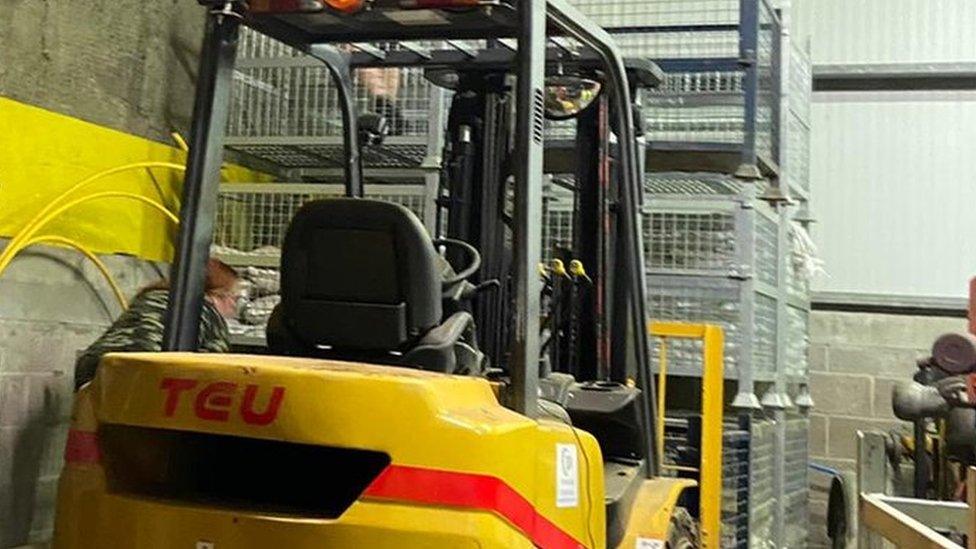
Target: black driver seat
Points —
{"points": [[361, 280]]}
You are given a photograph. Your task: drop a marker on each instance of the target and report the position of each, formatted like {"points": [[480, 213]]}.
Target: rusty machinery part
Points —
{"points": [[683, 533], [911, 401], [960, 435], [955, 353]]}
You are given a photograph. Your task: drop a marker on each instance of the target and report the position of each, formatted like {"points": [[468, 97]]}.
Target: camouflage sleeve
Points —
{"points": [[139, 328], [85, 368], [214, 337]]}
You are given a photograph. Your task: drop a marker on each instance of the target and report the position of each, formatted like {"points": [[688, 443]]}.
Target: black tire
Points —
{"points": [[683, 532]]}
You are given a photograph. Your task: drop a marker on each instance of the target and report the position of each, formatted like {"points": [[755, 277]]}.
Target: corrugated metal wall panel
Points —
{"points": [[801, 23], [894, 192], [888, 31]]}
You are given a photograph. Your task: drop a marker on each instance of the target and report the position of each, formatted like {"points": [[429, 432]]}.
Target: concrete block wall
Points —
{"points": [[126, 64], [52, 304], [855, 359]]}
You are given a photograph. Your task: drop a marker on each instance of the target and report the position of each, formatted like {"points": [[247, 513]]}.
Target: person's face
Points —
{"points": [[225, 301]]}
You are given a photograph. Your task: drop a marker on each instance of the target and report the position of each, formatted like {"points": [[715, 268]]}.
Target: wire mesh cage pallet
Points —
{"points": [[285, 110], [712, 255], [250, 228], [252, 218], [722, 59], [717, 253], [714, 252], [761, 485], [680, 448], [795, 141], [796, 487]]}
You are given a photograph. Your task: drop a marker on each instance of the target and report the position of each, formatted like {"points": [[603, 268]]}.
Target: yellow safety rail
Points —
{"points": [[710, 468]]}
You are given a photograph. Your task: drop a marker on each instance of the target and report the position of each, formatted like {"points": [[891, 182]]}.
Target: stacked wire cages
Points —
{"points": [[762, 492], [558, 216], [796, 483], [735, 486], [798, 121], [714, 252], [285, 109], [716, 55], [681, 448], [796, 173], [711, 252], [250, 228], [797, 308]]}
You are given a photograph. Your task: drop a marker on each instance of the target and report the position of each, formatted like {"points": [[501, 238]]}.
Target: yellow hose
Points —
{"points": [[119, 295], [182, 145], [25, 237], [180, 142], [20, 237], [39, 221]]}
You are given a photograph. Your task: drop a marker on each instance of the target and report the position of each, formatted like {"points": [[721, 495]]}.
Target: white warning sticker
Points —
{"points": [[567, 475], [647, 543]]}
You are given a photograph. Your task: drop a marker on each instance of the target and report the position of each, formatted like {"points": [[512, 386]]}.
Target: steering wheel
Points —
{"points": [[473, 257]]}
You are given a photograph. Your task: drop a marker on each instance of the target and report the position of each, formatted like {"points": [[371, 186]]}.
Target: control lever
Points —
{"points": [[471, 290]]}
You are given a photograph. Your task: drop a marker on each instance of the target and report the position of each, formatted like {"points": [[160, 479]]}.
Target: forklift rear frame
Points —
{"points": [[210, 113]]}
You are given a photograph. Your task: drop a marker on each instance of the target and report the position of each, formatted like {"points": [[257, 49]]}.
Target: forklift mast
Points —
{"points": [[474, 194], [530, 22]]}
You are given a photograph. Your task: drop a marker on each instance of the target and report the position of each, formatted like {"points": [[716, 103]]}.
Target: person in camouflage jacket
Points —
{"points": [[140, 327]]}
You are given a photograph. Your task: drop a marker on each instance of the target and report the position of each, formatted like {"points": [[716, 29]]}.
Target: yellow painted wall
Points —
{"points": [[43, 153]]}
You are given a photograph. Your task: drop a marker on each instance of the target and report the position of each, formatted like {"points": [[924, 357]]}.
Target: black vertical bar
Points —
{"points": [[202, 182], [922, 469], [460, 160], [621, 328], [338, 64], [590, 236], [491, 228], [529, 136]]}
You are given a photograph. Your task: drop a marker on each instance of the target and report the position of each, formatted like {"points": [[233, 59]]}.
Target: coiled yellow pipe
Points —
{"points": [[39, 221], [180, 142], [25, 237], [93, 178], [13, 247], [119, 295]]}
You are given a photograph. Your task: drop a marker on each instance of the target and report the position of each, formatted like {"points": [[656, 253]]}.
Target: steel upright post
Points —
{"points": [[202, 181], [529, 132], [337, 62], [749, 57]]}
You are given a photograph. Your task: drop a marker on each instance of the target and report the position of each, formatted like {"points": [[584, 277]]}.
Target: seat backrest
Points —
{"points": [[358, 274]]}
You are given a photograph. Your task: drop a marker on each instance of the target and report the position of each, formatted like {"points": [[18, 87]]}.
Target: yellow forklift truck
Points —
{"points": [[354, 431]]}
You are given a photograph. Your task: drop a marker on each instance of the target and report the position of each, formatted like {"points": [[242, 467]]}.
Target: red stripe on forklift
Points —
{"points": [[452, 489], [82, 448]]}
